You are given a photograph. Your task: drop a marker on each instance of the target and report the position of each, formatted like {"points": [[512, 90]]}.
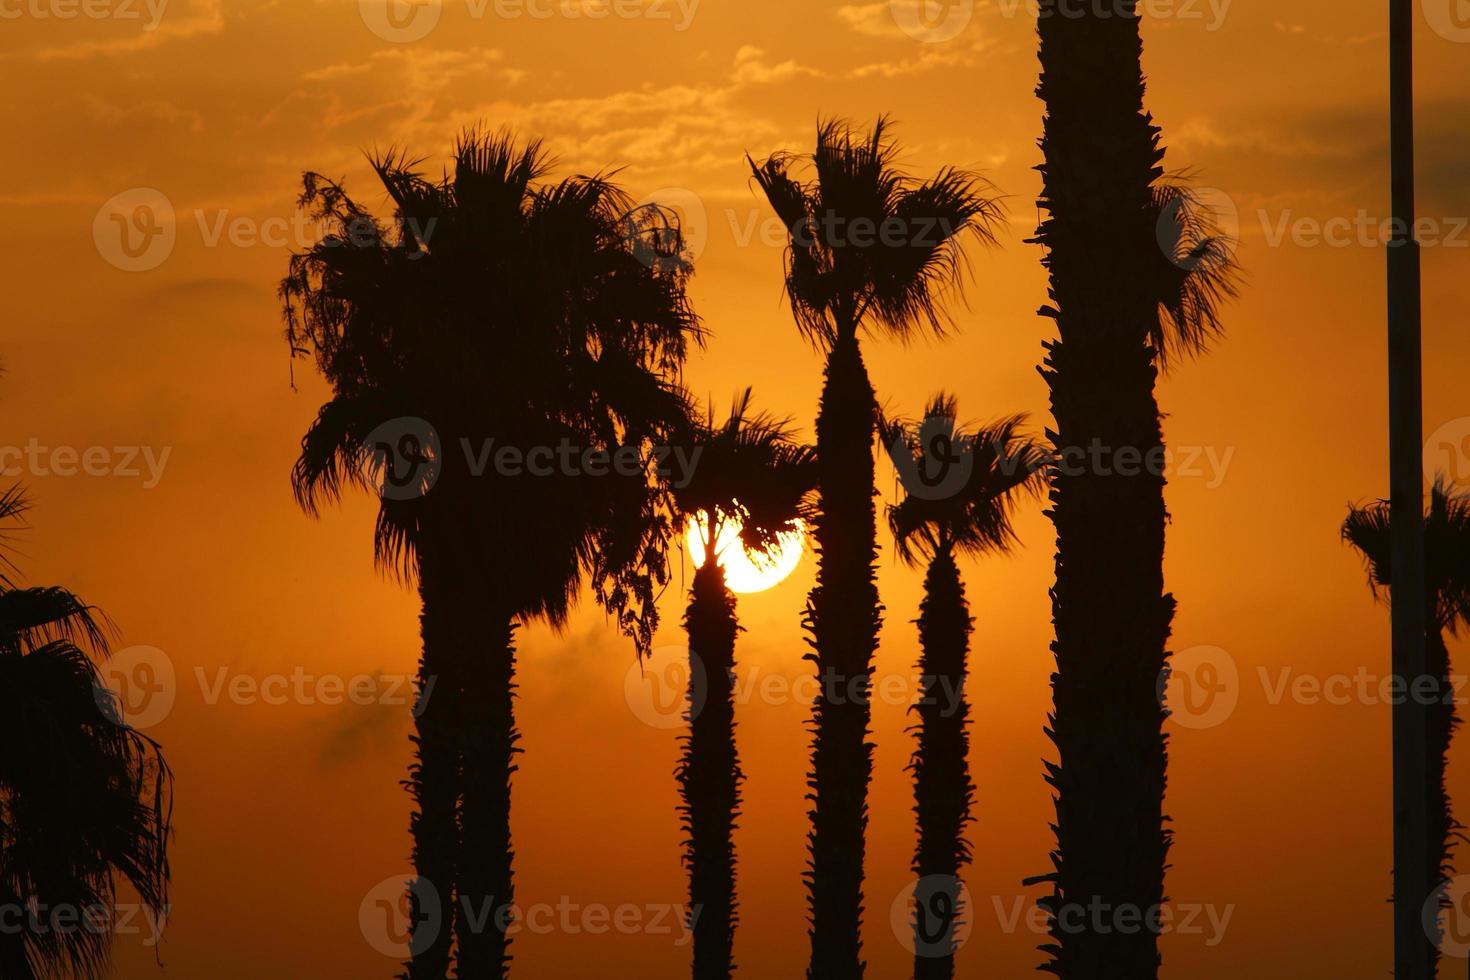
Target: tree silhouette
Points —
{"points": [[497, 311], [870, 248], [1447, 598], [1136, 273], [85, 800], [750, 473], [934, 523]]}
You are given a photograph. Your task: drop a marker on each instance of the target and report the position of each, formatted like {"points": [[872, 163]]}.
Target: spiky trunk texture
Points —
{"points": [[709, 773], [1111, 614], [433, 781], [943, 792], [489, 748], [842, 618], [1442, 724]]}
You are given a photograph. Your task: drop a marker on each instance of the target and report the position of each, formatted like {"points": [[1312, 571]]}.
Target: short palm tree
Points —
{"points": [[933, 525], [1136, 273], [752, 475], [85, 800], [870, 249], [499, 311], [1447, 590]]}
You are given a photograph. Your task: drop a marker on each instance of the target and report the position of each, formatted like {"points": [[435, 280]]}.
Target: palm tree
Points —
{"points": [[870, 249], [498, 311], [752, 476], [1447, 609], [1135, 277], [933, 525], [85, 800]]}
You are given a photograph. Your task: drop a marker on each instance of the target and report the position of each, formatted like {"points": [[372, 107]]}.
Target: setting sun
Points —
{"points": [[745, 572]]}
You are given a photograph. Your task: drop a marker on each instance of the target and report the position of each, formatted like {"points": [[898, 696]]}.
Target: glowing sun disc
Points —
{"points": [[745, 572]]}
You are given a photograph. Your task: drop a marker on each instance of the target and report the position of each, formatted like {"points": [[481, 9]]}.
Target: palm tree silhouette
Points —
{"points": [[85, 800], [497, 311], [1136, 273], [753, 475], [870, 249], [1447, 601], [936, 522]]}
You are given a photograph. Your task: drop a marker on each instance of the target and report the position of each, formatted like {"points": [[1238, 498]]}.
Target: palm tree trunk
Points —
{"points": [[486, 890], [1441, 723], [709, 773], [943, 792], [1111, 614], [842, 617], [433, 781]]}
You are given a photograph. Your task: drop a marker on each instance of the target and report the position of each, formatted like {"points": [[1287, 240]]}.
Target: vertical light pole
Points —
{"points": [[1412, 875]]}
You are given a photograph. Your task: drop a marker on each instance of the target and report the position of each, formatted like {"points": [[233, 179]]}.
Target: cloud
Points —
{"points": [[208, 18]]}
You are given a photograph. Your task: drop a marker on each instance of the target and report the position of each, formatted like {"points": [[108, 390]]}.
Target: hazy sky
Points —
{"points": [[164, 357]]}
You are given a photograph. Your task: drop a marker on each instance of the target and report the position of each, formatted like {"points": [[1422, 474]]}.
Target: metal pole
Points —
{"points": [[1412, 873]]}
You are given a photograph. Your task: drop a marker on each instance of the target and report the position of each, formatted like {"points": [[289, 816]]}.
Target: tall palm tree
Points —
{"points": [[753, 476], [1136, 274], [505, 312], [85, 800], [871, 249], [933, 525], [1369, 529]]}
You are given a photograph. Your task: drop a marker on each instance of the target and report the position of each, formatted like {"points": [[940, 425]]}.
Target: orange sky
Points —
{"points": [[290, 814]]}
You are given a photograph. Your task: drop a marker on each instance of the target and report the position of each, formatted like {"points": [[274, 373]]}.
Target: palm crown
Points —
{"points": [[750, 470], [975, 518], [85, 800], [1446, 551], [871, 246], [498, 307]]}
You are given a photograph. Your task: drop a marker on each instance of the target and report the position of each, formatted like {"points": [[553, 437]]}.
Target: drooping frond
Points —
{"points": [[1196, 271], [1369, 530]]}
